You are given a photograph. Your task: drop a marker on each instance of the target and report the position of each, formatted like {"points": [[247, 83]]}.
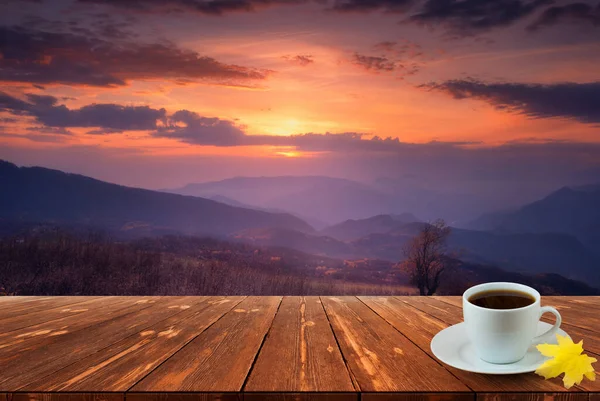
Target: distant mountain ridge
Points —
{"points": [[355, 229], [35, 194], [383, 237], [570, 210], [324, 199]]}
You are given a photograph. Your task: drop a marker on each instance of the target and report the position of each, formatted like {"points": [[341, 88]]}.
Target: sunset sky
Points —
{"points": [[161, 93]]}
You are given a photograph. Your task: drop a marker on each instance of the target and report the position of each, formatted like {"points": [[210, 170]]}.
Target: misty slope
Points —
{"points": [[574, 211], [315, 223], [41, 195], [355, 229], [322, 198], [334, 200]]}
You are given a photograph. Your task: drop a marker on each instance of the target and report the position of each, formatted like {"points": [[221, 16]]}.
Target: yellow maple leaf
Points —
{"points": [[567, 358]]}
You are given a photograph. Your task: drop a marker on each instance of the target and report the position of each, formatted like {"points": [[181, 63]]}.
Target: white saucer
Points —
{"points": [[452, 347]]}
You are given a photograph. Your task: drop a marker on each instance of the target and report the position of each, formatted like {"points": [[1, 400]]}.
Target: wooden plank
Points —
{"points": [[595, 396], [574, 314], [420, 328], [30, 337], [56, 352], [532, 397], [592, 302], [185, 397], [380, 358], [67, 397], [220, 358], [11, 308], [93, 305], [300, 354], [124, 363], [301, 397], [418, 397], [444, 311]]}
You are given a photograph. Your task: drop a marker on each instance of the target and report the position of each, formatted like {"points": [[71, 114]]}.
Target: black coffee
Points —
{"points": [[501, 299]]}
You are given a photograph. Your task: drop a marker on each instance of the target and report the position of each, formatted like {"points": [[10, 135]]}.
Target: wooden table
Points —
{"points": [[256, 348]]}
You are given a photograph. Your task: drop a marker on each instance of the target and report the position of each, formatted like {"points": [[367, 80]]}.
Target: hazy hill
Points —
{"points": [[315, 223], [326, 199], [355, 229], [574, 211], [334, 200], [37, 194]]}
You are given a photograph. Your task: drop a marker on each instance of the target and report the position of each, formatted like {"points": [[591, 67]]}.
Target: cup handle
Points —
{"points": [[554, 329]]}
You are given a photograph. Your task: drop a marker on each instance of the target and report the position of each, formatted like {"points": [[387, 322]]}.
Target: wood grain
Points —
{"points": [[381, 358], [574, 314], [302, 350], [418, 397], [202, 348], [13, 306], [301, 397], [185, 397], [477, 382], [32, 337], [122, 364], [56, 352], [64, 314], [67, 397], [532, 397], [220, 358]]}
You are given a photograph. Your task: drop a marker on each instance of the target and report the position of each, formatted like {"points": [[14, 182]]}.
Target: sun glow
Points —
{"points": [[289, 154]]}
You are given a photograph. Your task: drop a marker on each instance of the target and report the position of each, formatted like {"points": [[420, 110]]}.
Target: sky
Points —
{"points": [[470, 95]]}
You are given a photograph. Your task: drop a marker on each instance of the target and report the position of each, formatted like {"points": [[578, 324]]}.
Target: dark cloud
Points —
{"points": [[363, 6], [386, 46], [189, 127], [49, 130], [184, 126], [573, 13], [42, 57], [570, 100], [392, 63], [208, 7], [470, 17], [110, 116], [373, 63], [300, 59], [104, 131]]}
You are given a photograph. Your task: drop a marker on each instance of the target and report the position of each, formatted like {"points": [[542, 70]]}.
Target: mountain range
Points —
{"points": [[34, 194], [326, 200], [570, 210], [556, 235]]}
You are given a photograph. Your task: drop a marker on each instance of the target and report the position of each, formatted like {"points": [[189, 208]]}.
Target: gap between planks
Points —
{"points": [[184, 345], [260, 347], [415, 344], [337, 342]]}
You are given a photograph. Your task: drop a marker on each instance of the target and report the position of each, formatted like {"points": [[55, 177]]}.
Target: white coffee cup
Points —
{"points": [[504, 335]]}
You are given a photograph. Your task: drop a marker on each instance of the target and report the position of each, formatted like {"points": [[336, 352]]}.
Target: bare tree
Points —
{"points": [[426, 257]]}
